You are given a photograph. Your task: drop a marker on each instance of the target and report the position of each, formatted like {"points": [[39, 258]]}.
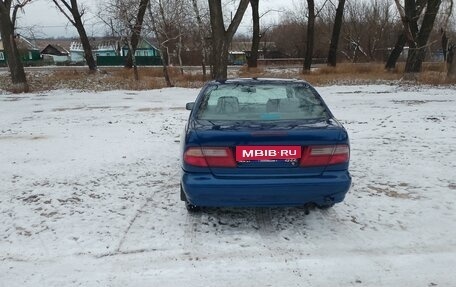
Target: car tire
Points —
{"points": [[192, 208], [325, 206], [183, 197]]}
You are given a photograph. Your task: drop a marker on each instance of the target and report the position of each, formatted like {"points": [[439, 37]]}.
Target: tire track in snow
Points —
{"points": [[193, 223], [332, 216], [138, 212], [269, 233], [150, 200], [263, 219]]}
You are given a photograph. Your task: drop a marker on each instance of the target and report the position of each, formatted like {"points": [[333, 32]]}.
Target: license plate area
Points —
{"points": [[268, 153]]}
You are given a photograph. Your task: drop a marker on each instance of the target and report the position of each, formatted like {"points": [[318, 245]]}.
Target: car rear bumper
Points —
{"points": [[208, 190]]}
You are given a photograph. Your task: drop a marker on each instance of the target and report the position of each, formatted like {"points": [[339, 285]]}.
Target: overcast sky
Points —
{"points": [[47, 21]]}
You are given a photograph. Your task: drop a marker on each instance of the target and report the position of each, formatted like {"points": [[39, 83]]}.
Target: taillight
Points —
{"points": [[325, 155], [210, 157]]}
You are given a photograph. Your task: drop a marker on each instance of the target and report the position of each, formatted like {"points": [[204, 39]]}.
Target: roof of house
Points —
{"points": [[61, 42], [22, 43], [54, 49], [144, 44], [100, 43]]}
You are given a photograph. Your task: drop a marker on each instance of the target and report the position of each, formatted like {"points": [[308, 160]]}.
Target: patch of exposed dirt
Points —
{"points": [[391, 192], [149, 109]]}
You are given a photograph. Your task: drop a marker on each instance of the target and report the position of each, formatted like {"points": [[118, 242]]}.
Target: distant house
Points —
{"points": [[107, 48], [144, 49], [2, 54], [28, 52], [55, 52], [237, 58], [240, 51], [146, 55], [76, 52], [100, 48], [107, 51]]}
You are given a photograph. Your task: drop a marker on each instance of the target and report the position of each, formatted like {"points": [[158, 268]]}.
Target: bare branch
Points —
{"points": [[56, 2], [237, 18], [18, 6], [319, 10]]}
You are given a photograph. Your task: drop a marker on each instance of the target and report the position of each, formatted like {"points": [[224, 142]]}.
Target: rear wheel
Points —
{"points": [[192, 208], [182, 195], [325, 206]]}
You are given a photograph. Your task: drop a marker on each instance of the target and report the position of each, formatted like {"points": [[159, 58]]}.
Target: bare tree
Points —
{"points": [[396, 52], [125, 19], [202, 37], [288, 36], [451, 74], [252, 60], [332, 54], [222, 38], [417, 37], [407, 32], [310, 35], [367, 29], [448, 49], [444, 43], [446, 12], [136, 32], [7, 30], [161, 36], [74, 14]]}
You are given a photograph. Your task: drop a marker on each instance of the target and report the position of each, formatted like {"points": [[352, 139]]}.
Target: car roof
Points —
{"points": [[260, 81]]}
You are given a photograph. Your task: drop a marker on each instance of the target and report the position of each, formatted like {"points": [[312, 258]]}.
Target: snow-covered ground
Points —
{"points": [[89, 196]]}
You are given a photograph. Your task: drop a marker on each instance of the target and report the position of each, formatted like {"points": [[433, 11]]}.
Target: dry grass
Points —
{"points": [[152, 77], [105, 79], [349, 73], [323, 75]]}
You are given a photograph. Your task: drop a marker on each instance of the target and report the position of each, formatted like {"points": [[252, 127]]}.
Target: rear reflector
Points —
{"points": [[209, 157], [325, 155]]}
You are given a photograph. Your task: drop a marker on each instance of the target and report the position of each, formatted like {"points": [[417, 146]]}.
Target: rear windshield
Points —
{"points": [[239, 102]]}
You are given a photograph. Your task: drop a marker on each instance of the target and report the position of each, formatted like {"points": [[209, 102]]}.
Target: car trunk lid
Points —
{"points": [[272, 149]]}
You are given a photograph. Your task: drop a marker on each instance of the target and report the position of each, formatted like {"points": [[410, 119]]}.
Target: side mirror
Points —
{"points": [[189, 106]]}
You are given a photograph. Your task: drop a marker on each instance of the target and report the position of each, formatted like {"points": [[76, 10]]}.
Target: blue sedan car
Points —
{"points": [[263, 142]]}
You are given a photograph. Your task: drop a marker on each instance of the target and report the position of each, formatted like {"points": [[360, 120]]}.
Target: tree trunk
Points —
{"points": [[221, 38], [136, 32], [13, 60], [202, 38], [396, 52], [310, 35], [332, 54], [411, 20], [76, 20], [163, 57], [135, 67], [79, 25], [179, 55], [451, 75], [444, 43], [252, 61], [220, 58], [418, 53], [88, 55]]}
